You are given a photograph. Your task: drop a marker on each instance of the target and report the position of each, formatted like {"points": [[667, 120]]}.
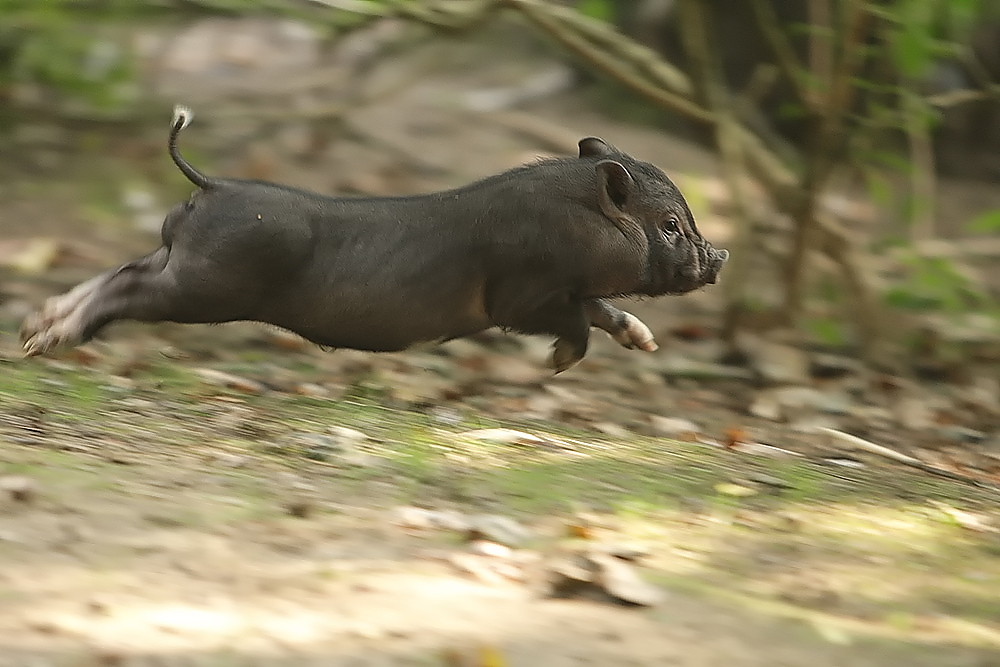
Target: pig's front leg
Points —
{"points": [[624, 327]]}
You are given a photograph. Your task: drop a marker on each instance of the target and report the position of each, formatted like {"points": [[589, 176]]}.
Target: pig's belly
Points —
{"points": [[378, 322]]}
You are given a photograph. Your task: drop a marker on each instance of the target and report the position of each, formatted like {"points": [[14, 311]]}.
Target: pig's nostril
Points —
{"points": [[722, 254]]}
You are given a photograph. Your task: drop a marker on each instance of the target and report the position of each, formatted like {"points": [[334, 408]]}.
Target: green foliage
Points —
{"points": [[59, 46], [934, 283], [829, 331], [987, 223], [921, 31], [79, 65], [597, 9]]}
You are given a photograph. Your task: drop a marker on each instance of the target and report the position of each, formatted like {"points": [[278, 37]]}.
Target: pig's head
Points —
{"points": [[652, 214]]}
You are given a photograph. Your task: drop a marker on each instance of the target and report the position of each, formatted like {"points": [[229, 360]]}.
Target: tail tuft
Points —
{"points": [[182, 117]]}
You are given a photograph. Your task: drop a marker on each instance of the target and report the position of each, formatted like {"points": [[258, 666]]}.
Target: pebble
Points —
{"points": [[19, 488]]}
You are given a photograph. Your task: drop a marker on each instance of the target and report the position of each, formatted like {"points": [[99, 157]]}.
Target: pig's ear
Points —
{"points": [[615, 188], [595, 147]]}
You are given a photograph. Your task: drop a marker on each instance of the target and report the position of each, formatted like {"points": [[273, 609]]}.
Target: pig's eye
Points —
{"points": [[672, 225]]}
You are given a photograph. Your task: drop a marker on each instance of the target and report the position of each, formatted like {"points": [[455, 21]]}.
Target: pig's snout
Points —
{"points": [[719, 258]]}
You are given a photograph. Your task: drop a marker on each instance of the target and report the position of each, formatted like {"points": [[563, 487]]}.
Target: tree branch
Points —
{"points": [[784, 54]]}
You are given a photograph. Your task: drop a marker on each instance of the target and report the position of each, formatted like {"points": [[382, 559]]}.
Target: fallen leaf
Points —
{"points": [[734, 436]]}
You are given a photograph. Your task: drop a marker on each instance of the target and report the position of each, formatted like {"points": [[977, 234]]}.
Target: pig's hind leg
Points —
{"points": [[140, 290], [627, 329]]}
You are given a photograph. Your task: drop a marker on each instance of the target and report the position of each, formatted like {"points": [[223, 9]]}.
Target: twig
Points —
{"points": [[905, 459], [828, 142], [972, 247], [922, 180], [545, 18], [784, 54], [954, 98]]}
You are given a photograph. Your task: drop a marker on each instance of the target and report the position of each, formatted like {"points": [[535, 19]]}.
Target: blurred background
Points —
{"points": [[846, 152]]}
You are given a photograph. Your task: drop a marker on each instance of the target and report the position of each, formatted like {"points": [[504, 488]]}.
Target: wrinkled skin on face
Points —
{"points": [[651, 213]]}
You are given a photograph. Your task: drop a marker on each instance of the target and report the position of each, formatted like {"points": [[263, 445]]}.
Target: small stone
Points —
{"points": [[230, 460], [109, 657], [735, 490], [300, 508], [503, 436], [368, 631], [425, 519], [413, 517], [914, 413], [230, 381], [481, 567], [829, 366], [573, 569], [963, 434], [347, 437], [777, 363], [98, 606], [629, 552], [760, 449], [612, 429], [766, 406], [620, 580], [492, 549], [769, 480], [319, 447], [673, 427], [19, 488], [501, 529], [679, 366], [312, 390]]}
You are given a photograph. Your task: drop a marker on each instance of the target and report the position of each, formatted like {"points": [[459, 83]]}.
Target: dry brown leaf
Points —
{"points": [[734, 435]]}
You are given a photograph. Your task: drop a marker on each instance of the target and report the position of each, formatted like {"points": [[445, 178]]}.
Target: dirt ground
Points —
{"points": [[208, 496]]}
